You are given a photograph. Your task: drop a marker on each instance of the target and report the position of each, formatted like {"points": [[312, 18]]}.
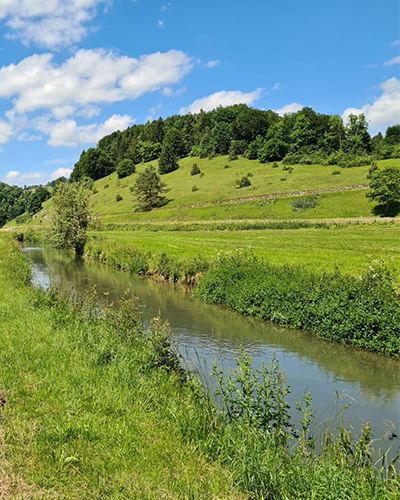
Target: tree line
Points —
{"points": [[16, 201], [304, 137]]}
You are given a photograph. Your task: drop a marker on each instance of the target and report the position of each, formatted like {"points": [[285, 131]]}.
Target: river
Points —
{"points": [[360, 385]]}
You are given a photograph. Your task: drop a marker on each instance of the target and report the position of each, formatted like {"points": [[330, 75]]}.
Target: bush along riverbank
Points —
{"points": [[362, 311], [96, 404]]}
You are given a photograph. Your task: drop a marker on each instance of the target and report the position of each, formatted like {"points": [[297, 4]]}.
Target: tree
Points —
{"points": [[125, 167], [148, 188], [358, 140], [68, 225], [93, 163], [272, 150], [385, 186], [36, 198], [168, 161]]}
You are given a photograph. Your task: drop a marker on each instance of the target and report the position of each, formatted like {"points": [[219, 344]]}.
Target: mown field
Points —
{"points": [[351, 248]]}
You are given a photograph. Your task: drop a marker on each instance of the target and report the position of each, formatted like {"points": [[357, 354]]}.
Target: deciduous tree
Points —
{"points": [[68, 224]]}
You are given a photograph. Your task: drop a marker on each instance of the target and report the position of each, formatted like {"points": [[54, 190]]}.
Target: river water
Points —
{"points": [[359, 385]]}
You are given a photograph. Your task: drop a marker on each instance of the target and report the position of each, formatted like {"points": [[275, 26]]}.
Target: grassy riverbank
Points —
{"points": [[97, 406], [349, 248]]}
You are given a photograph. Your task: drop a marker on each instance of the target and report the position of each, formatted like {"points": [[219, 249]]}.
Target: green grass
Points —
{"points": [[89, 410], [218, 184], [84, 418], [349, 248]]}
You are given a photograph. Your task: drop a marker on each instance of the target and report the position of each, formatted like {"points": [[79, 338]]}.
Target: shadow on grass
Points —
{"points": [[391, 210]]}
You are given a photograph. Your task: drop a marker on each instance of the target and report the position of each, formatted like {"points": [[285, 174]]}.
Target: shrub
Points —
{"points": [[118, 197], [125, 167], [195, 169], [335, 172], [305, 202], [275, 165], [194, 188], [243, 182]]}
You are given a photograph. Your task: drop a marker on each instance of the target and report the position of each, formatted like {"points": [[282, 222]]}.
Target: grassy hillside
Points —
{"points": [[217, 186]]}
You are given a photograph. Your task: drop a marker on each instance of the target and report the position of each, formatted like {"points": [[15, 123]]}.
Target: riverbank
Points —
{"points": [[97, 406], [355, 308]]}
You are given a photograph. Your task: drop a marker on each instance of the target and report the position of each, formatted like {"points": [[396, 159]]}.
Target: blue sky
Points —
{"points": [[72, 71]]}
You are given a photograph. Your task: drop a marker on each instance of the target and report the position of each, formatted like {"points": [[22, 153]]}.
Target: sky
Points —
{"points": [[72, 71]]}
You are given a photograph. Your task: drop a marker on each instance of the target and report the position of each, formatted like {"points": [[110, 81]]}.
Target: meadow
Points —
{"points": [[350, 248], [341, 196]]}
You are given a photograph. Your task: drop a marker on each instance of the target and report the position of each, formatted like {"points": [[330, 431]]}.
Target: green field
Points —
{"points": [[350, 248]]}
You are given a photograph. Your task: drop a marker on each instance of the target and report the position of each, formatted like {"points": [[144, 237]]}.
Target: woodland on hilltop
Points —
{"points": [[304, 137]]}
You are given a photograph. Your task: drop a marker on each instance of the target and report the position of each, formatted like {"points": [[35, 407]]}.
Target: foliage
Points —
{"points": [[118, 198], [243, 182], [93, 163], [70, 217], [125, 167], [254, 398], [385, 186], [13, 202], [272, 150], [168, 161], [36, 198], [195, 169], [362, 311], [148, 189]]}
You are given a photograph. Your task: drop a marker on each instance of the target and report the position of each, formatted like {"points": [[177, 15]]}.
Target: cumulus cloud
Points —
{"points": [[49, 23], [391, 62], [289, 108], [67, 133], [223, 98], [213, 64], [20, 179], [89, 77], [384, 111]]}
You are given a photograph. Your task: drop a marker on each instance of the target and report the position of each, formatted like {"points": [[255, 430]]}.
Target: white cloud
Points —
{"points": [[67, 133], [88, 78], [277, 86], [20, 179], [153, 112], [49, 23], [25, 137], [384, 111], [395, 43], [6, 131], [60, 172], [391, 62], [168, 91], [223, 98], [289, 108], [213, 64], [168, 6], [161, 23]]}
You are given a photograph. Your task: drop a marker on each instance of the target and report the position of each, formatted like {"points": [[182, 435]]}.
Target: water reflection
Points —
{"points": [[208, 333]]}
